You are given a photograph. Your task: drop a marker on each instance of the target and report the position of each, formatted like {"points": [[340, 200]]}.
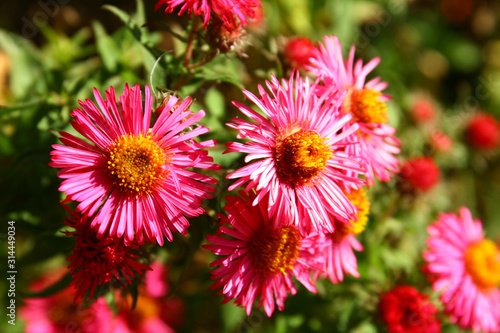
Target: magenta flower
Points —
{"points": [[135, 177], [366, 103], [231, 12], [59, 313], [260, 256], [466, 268], [338, 252], [301, 151]]}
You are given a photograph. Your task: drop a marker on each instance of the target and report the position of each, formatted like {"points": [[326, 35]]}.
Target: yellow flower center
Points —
{"points": [[359, 199], [275, 251], [482, 262], [300, 157], [365, 106], [136, 163]]}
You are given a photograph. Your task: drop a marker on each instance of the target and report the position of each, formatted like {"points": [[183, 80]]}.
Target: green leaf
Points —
{"points": [[231, 316], [216, 104], [106, 46], [134, 27], [25, 65]]}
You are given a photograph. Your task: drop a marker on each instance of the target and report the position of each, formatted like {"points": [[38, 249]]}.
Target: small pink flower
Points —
{"points": [[465, 267], [135, 178], [59, 313], [365, 101], [260, 256], [440, 141], [423, 111], [299, 147], [231, 12]]}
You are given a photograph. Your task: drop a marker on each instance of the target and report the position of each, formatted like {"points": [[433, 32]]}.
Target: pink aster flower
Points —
{"points": [[300, 147], [466, 268], [259, 256], [58, 313], [338, 252], [366, 103], [231, 12], [132, 176]]}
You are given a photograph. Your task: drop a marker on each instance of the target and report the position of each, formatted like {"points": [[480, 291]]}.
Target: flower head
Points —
{"points": [[135, 177], [97, 262], [405, 310], [419, 174], [300, 147], [231, 12], [260, 257], [440, 141], [364, 101], [298, 50], [465, 267], [483, 131], [339, 257], [59, 313], [423, 111], [226, 39]]}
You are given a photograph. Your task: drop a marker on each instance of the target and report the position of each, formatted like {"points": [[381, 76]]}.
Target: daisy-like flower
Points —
{"points": [[135, 177], [97, 262], [366, 103], [59, 313], [405, 310], [466, 268], [260, 256], [339, 257], [231, 12], [300, 148]]}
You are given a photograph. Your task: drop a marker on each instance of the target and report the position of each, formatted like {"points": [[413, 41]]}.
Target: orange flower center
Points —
{"points": [[300, 157], [359, 199], [365, 106], [482, 262], [136, 163], [276, 251], [145, 309]]}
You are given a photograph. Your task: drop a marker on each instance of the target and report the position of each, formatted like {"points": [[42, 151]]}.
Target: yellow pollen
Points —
{"points": [[365, 106], [136, 163], [359, 199], [275, 251], [482, 262], [300, 157]]}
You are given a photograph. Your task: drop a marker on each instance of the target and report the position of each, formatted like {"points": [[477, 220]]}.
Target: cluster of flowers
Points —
{"points": [[155, 310], [313, 145]]}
